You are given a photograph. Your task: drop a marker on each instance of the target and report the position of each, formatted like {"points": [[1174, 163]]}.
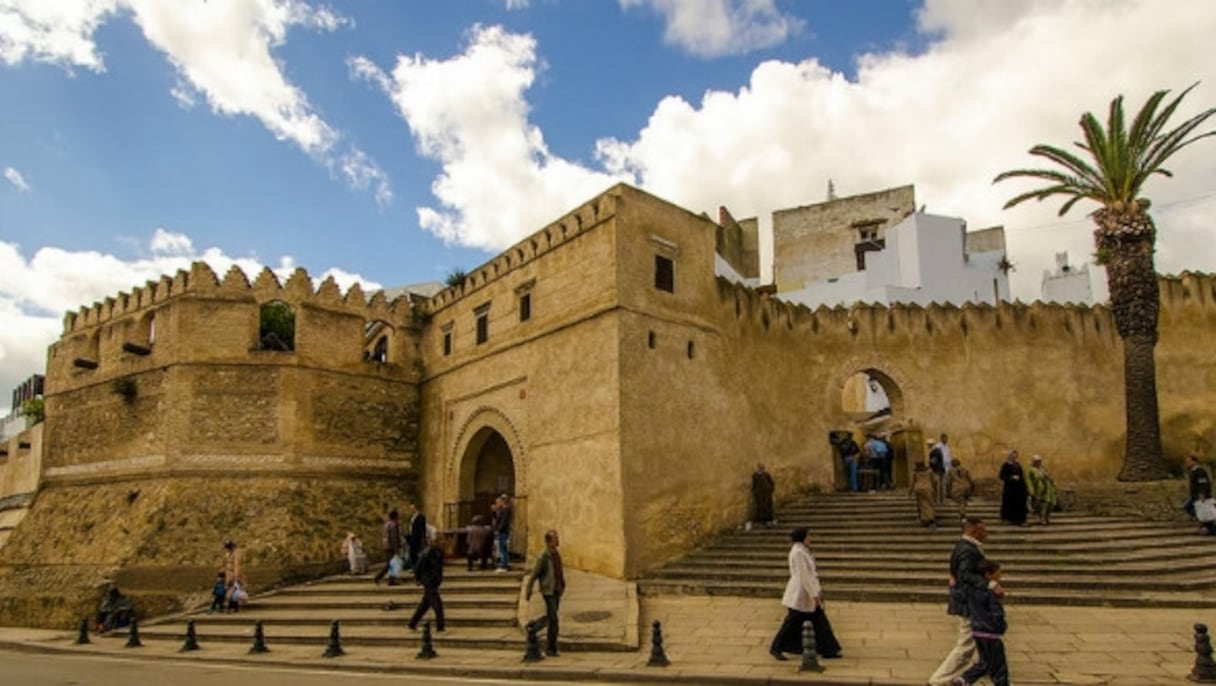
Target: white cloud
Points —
{"points": [[517, 4], [499, 180], [222, 52], [999, 78], [36, 292], [996, 78], [15, 177], [713, 28], [362, 172], [53, 31]]}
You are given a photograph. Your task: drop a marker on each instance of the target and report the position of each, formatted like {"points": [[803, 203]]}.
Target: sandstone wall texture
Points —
{"points": [[177, 432]]}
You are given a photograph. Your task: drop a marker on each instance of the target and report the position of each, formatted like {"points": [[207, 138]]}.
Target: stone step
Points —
{"points": [[934, 594], [933, 563], [869, 547], [319, 601], [456, 617]]}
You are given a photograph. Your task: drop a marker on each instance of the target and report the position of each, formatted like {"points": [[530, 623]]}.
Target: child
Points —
{"points": [[987, 627], [218, 592], [237, 596]]}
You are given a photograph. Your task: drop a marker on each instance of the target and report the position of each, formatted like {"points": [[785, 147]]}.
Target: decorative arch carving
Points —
{"points": [[458, 469]]}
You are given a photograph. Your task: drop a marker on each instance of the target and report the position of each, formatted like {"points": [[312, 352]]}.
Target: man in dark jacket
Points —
{"points": [[390, 541], [964, 575], [415, 536], [428, 571], [1200, 484], [552, 578]]}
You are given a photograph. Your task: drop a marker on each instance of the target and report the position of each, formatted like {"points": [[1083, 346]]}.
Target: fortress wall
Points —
{"points": [[548, 385], [203, 431], [161, 540], [1186, 372], [20, 467]]}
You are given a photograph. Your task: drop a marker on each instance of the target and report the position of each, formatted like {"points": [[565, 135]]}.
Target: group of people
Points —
{"points": [[943, 477], [228, 592], [876, 454], [1026, 491]]}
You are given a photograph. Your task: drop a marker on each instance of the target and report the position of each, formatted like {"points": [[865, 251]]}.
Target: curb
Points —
{"points": [[518, 672]]}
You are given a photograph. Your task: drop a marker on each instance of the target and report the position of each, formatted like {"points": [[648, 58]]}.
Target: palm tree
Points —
{"points": [[1119, 163]]}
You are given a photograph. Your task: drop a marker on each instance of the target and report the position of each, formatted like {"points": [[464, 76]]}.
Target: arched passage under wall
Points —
{"points": [[869, 401], [487, 464]]}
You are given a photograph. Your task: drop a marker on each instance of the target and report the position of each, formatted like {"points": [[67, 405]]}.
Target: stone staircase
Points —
{"points": [[868, 547], [480, 609]]}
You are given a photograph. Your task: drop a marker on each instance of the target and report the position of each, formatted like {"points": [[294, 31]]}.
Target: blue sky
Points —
{"points": [[391, 142]]}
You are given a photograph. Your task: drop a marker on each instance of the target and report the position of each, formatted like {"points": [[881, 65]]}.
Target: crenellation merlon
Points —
{"points": [[584, 218], [202, 281]]}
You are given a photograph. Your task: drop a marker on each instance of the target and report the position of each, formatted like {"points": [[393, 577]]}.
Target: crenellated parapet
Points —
{"points": [[911, 322], [202, 282], [578, 221], [1188, 290]]}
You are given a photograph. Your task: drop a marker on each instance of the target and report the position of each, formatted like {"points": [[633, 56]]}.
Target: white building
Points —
{"points": [[924, 259], [1067, 284]]}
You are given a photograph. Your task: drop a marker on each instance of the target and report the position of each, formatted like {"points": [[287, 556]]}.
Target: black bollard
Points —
{"points": [[191, 640], [428, 650], [259, 640], [83, 637], [658, 658], [1204, 670], [810, 660], [533, 652], [334, 649], [133, 638]]}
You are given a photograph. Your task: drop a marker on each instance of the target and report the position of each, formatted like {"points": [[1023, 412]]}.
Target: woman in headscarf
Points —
{"points": [[1042, 490], [923, 488], [1013, 495], [803, 601]]}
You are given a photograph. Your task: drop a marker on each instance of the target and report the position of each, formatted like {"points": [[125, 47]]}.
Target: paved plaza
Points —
{"points": [[725, 640]]}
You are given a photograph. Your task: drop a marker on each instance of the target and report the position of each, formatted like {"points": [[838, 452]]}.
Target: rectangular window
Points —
{"points": [[483, 323], [664, 274], [447, 343], [525, 307]]}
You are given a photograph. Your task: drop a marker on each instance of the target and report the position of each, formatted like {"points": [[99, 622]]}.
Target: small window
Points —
{"points": [[664, 274], [277, 327], [691, 351], [650, 340], [483, 323], [447, 339], [525, 307]]}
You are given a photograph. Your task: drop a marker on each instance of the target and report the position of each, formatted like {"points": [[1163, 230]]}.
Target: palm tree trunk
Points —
{"points": [[1125, 238], [1142, 459]]}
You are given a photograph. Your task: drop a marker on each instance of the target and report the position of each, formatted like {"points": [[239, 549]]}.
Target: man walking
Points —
{"points": [[415, 536], [428, 571], [390, 541], [501, 525], [964, 575], [548, 571]]}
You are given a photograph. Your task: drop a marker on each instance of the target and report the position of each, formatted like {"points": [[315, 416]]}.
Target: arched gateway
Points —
{"points": [[485, 467], [868, 397]]}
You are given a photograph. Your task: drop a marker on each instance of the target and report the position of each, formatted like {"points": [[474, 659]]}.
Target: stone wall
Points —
{"points": [[764, 383], [177, 432], [547, 385], [161, 539]]}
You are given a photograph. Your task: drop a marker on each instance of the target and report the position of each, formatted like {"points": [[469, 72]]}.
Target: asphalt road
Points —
{"points": [[29, 669]]}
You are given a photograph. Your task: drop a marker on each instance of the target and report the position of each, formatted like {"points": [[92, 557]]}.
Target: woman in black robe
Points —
{"points": [[762, 497], [1013, 496]]}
